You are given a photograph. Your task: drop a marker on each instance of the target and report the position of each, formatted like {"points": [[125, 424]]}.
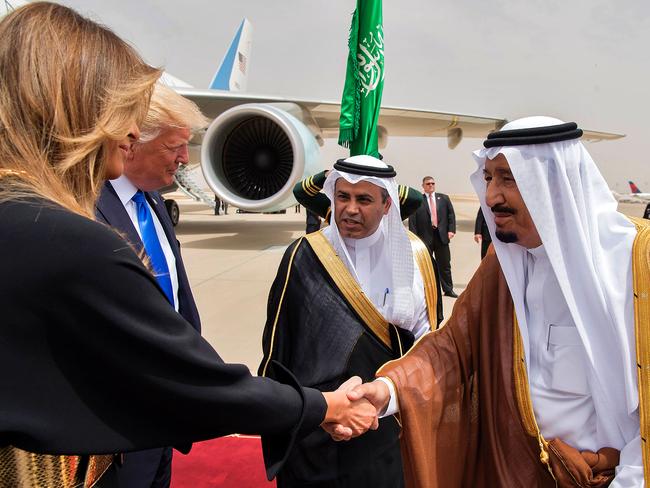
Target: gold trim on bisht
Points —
{"points": [[641, 287], [22, 469], [522, 392], [349, 286], [423, 258], [355, 295]]}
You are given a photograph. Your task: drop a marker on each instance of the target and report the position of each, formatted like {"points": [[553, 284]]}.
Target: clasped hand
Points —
{"points": [[353, 408]]}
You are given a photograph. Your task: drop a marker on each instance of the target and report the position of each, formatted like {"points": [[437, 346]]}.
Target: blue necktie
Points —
{"points": [[152, 245]]}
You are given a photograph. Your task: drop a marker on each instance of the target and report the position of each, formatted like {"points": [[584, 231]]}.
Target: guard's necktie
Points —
{"points": [[434, 210], [152, 245]]}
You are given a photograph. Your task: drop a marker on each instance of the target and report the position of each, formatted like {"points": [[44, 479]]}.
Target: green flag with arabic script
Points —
{"points": [[364, 80]]}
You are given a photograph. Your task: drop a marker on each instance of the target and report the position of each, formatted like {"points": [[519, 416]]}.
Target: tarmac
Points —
{"points": [[231, 261]]}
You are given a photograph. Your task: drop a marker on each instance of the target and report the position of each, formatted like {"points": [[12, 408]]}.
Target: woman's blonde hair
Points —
{"points": [[68, 86]]}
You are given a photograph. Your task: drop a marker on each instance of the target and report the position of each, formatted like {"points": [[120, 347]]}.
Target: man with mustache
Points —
{"points": [[308, 193], [132, 205], [540, 376], [345, 300]]}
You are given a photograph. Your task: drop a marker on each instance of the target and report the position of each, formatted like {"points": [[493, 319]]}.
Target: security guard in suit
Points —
{"points": [[435, 223]]}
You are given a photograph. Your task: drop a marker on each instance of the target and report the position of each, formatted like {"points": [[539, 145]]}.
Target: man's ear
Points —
{"points": [[387, 205]]}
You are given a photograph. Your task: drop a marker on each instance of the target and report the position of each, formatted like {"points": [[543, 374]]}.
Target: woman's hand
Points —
{"points": [[347, 418]]}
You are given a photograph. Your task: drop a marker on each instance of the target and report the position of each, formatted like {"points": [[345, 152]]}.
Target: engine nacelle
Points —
{"points": [[252, 155]]}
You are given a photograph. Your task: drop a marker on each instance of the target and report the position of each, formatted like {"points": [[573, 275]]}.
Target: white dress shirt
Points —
{"points": [[125, 191]]}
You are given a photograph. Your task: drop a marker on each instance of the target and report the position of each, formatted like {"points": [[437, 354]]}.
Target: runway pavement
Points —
{"points": [[232, 259]]}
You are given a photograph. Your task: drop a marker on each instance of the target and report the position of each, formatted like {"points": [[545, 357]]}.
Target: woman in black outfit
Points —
{"points": [[93, 359]]}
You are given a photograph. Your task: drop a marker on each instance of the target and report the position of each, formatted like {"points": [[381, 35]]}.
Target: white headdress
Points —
{"points": [[368, 168], [589, 246]]}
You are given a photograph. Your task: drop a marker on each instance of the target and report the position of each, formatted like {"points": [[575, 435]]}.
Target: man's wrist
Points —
{"points": [[334, 406], [391, 405]]}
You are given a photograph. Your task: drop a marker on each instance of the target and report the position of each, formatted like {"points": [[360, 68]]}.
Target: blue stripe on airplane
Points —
{"points": [[221, 80]]}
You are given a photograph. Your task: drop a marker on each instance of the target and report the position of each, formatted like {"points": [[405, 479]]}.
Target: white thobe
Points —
{"points": [[372, 266], [557, 367], [558, 372]]}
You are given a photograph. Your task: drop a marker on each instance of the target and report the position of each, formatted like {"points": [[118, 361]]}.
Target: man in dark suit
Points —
{"points": [[435, 223], [482, 233], [132, 205]]}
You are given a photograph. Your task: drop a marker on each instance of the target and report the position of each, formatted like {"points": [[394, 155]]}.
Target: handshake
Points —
{"points": [[354, 408]]}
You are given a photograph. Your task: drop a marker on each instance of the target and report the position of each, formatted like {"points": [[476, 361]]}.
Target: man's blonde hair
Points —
{"points": [[169, 109], [68, 87]]}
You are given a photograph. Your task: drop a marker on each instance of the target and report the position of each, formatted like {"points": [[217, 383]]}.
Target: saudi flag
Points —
{"points": [[364, 81]]}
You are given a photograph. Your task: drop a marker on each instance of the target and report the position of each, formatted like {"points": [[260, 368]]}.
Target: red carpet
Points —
{"points": [[227, 462]]}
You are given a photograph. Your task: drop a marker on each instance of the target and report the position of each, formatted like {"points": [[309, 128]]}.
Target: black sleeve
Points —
{"points": [[97, 361], [411, 203], [479, 222], [276, 353], [413, 226], [307, 193], [451, 215], [276, 337]]}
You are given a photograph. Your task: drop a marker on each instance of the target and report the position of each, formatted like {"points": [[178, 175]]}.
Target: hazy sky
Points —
{"points": [[578, 60]]}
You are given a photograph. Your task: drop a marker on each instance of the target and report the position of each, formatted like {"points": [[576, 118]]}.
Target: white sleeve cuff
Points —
{"points": [[392, 403]]}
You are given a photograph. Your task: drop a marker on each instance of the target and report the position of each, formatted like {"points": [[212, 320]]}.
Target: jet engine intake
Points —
{"points": [[253, 154]]}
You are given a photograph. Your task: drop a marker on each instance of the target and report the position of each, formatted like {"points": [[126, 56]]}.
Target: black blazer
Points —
{"points": [[98, 362], [420, 221], [480, 227], [111, 211]]}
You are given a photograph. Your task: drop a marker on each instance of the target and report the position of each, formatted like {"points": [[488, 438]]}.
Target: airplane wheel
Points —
{"points": [[173, 210]]}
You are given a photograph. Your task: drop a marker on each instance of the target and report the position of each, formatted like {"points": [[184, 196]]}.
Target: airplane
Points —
{"points": [[635, 189], [636, 195], [258, 146]]}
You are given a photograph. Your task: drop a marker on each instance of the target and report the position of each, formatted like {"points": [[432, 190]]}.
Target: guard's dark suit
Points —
{"points": [[436, 239], [481, 228], [151, 467]]}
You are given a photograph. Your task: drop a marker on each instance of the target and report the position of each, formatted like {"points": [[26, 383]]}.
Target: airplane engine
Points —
{"points": [[252, 155]]}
